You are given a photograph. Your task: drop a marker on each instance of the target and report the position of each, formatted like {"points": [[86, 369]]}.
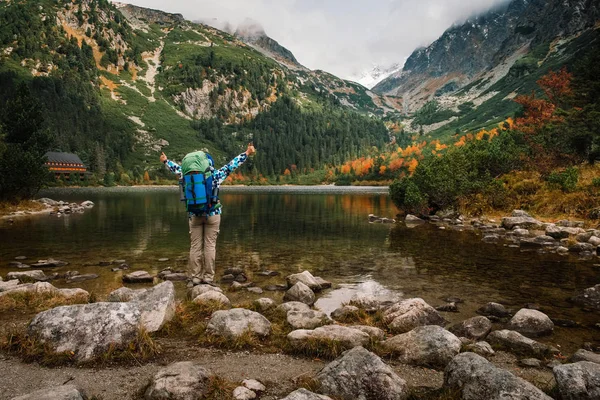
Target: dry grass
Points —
{"points": [[190, 318], [220, 389], [25, 302], [439, 394], [529, 191], [361, 317], [29, 349], [23, 205]]}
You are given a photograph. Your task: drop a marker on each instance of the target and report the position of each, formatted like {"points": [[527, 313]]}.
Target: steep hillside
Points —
{"points": [[120, 83], [468, 76]]}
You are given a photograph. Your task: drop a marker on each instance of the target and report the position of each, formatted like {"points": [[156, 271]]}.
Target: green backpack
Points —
{"points": [[197, 183]]}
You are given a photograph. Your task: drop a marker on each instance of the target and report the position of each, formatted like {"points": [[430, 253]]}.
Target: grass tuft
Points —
{"points": [[220, 389], [24, 302]]}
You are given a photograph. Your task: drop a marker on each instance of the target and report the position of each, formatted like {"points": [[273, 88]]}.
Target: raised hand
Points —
{"points": [[250, 150], [163, 157]]}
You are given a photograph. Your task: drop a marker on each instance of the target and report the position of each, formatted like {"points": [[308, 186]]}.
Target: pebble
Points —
{"points": [[163, 259], [20, 258]]}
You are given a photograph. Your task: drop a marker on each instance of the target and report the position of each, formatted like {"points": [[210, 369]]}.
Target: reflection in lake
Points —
{"points": [[323, 230]]}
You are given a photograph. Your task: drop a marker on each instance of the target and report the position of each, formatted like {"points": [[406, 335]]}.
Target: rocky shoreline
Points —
{"points": [[51, 207], [369, 342]]}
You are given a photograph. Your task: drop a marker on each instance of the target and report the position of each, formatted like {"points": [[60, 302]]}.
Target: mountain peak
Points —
{"points": [[250, 30]]}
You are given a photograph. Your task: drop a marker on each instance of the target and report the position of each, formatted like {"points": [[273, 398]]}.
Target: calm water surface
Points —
{"points": [[323, 230]]}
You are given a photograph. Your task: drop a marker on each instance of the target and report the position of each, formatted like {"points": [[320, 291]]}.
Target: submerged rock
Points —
{"points": [[50, 263], [425, 345], [475, 378], [590, 298], [138, 277], [578, 381], [236, 322], [494, 309], [81, 278], [531, 323], [360, 374], [184, 380]]}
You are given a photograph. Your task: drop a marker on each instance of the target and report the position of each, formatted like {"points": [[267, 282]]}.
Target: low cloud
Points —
{"points": [[344, 37]]}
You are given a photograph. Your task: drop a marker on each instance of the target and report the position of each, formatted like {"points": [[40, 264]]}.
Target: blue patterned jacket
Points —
{"points": [[219, 175]]}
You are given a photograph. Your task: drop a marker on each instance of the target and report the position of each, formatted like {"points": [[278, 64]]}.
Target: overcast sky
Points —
{"points": [[343, 37]]}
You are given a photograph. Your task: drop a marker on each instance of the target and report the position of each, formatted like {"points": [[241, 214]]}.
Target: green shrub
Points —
{"points": [[566, 180], [596, 182]]}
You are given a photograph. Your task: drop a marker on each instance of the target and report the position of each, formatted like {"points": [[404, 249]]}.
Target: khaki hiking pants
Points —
{"points": [[203, 235]]}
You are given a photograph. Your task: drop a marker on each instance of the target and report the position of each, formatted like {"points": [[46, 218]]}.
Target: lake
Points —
{"points": [[321, 229]]}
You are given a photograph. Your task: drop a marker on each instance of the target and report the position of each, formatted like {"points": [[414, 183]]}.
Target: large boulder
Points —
{"points": [[87, 330], [475, 328], [309, 319], [124, 294], [514, 342], [300, 292], [578, 381], [475, 378], [344, 336], [306, 278], [179, 381], [27, 276], [360, 374], [304, 394], [365, 301], [590, 298], [64, 392], [408, 314], [234, 323], [425, 345], [531, 323], [157, 305], [8, 285]]}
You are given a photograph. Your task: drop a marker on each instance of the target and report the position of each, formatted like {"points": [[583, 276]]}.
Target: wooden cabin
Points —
{"points": [[67, 166]]}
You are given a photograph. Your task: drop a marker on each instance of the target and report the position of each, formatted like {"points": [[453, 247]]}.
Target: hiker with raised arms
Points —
{"points": [[200, 183]]}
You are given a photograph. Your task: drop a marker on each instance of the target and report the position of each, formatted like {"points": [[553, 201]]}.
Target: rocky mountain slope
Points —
{"points": [[470, 62], [120, 83]]}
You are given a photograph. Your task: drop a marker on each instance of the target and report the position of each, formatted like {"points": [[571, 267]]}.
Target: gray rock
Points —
{"points": [[243, 393], [578, 381], [268, 273], [87, 204], [175, 276], [300, 292], [482, 348], [521, 232], [8, 285], [450, 307], [21, 258], [429, 345], [303, 394], [255, 290], [87, 330], [234, 323], [124, 294], [65, 392], [309, 319], [179, 381], [138, 277], [365, 301], [264, 304], [157, 305], [556, 232], [306, 278], [292, 306], [254, 385], [594, 241], [585, 236], [516, 343], [570, 224], [345, 312], [413, 219], [346, 337], [475, 378], [408, 314], [590, 298], [32, 288], [523, 223], [164, 259], [50, 263], [373, 332], [81, 278], [228, 278], [475, 328], [493, 309], [530, 362], [360, 374], [323, 283], [531, 323], [27, 276], [580, 247], [70, 294], [519, 213], [201, 289], [212, 297], [585, 355], [490, 238]]}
